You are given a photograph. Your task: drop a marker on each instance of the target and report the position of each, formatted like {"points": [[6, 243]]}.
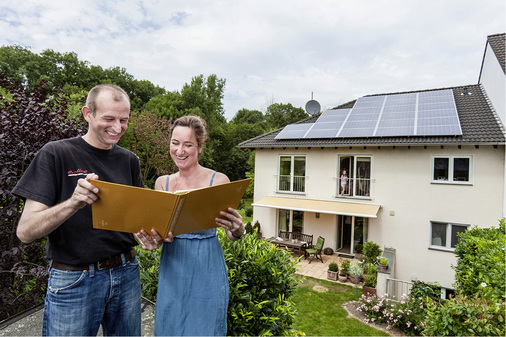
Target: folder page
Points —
{"points": [[129, 209], [203, 205]]}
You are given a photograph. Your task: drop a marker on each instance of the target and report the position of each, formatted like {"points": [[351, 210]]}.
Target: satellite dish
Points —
{"points": [[313, 107]]}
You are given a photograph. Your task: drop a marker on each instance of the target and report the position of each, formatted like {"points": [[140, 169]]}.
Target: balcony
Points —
{"points": [[356, 187], [293, 184]]}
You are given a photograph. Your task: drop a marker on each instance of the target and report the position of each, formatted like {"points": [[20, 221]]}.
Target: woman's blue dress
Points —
{"points": [[192, 298]]}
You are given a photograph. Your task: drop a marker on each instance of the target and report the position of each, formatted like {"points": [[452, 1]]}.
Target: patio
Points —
{"points": [[316, 268]]}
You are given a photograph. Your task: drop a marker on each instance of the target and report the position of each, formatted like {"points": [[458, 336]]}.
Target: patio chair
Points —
{"points": [[316, 251]]}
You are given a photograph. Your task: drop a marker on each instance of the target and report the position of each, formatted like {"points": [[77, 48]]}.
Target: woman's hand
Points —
{"points": [[232, 223], [151, 242]]}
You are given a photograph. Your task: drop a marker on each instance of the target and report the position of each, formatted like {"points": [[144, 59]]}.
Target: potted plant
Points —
{"points": [[383, 263], [372, 252], [369, 287], [344, 271], [359, 248], [333, 271], [356, 271]]}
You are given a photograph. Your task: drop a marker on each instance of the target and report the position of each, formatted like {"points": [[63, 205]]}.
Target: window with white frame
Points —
{"points": [[291, 220], [445, 235], [292, 174], [452, 169], [357, 181]]}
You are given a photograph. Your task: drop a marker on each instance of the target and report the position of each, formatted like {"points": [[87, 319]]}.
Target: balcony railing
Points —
{"points": [[356, 187], [288, 183], [398, 288]]}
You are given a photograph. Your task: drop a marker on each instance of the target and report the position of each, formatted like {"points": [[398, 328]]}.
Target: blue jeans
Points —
{"points": [[78, 302]]}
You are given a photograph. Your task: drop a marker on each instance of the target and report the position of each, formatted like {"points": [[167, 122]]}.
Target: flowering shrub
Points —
{"points": [[406, 313], [466, 316]]}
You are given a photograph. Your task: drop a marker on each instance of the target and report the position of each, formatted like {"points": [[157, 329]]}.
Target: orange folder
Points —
{"points": [[129, 209]]}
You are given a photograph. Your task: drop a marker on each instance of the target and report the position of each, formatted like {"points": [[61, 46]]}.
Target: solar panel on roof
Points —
{"points": [[294, 131], [427, 113]]}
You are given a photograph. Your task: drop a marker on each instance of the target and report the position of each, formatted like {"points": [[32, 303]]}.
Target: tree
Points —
{"points": [[278, 115], [148, 136], [24, 115], [67, 71]]}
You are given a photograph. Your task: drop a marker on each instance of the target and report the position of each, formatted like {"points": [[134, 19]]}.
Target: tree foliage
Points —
{"points": [[148, 136], [29, 120], [73, 75], [278, 115], [481, 269]]}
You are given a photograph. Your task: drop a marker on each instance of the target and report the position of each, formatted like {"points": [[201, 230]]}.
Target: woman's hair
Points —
{"points": [[196, 123]]}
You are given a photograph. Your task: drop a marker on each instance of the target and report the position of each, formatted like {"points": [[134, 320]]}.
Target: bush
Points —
{"points": [[261, 279], [463, 316], [149, 265], [333, 266], [372, 251], [426, 291], [248, 211], [29, 120], [345, 267], [406, 313], [480, 268], [356, 269]]}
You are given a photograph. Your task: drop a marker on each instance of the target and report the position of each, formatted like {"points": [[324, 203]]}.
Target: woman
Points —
{"points": [[192, 296]]}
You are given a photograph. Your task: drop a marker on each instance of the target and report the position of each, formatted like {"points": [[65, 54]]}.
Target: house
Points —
{"points": [[422, 166]]}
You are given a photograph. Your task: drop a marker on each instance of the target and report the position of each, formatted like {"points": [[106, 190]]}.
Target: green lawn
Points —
{"points": [[322, 313], [247, 203]]}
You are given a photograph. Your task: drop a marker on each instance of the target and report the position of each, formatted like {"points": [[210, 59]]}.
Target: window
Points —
{"points": [[452, 169], [292, 221], [445, 235], [292, 174], [358, 171]]}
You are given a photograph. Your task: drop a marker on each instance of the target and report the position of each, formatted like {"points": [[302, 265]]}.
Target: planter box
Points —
{"points": [[332, 275], [368, 291]]}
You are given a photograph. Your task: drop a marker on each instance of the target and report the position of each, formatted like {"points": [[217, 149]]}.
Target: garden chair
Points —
{"points": [[316, 251]]}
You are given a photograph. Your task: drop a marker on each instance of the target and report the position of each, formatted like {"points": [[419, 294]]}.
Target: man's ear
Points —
{"points": [[86, 113]]}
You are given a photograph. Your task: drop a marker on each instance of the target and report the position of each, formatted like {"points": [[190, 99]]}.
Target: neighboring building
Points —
{"points": [[422, 166]]}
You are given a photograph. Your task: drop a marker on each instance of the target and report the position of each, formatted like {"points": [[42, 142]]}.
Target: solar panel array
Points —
{"points": [[428, 113]]}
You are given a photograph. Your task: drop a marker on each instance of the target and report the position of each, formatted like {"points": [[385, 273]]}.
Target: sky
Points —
{"points": [[268, 51]]}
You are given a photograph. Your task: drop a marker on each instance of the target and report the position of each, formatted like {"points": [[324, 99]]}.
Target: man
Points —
{"points": [[94, 274]]}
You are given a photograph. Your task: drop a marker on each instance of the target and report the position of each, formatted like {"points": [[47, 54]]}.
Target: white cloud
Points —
{"points": [[267, 51]]}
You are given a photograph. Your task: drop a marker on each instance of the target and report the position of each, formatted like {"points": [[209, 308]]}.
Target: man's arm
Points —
{"points": [[39, 220]]}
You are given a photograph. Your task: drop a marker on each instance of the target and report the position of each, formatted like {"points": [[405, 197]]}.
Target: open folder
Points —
{"points": [[129, 209]]}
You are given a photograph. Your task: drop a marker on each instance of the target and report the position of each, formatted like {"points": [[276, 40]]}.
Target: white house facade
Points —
{"points": [[409, 188]]}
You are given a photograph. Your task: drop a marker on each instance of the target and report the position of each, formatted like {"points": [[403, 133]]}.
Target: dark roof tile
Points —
{"points": [[479, 124]]}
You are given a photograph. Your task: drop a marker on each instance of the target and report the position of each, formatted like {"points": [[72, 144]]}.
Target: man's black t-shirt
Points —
{"points": [[51, 179]]}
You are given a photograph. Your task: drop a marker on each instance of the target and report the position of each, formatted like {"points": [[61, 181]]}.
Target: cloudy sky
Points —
{"points": [[268, 51]]}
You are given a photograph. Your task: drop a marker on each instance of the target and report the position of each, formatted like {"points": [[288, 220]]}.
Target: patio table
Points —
{"points": [[290, 243]]}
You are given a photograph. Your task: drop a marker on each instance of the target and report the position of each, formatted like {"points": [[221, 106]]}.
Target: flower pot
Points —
{"points": [[358, 256], [368, 291], [383, 267], [354, 279], [332, 275], [343, 278]]}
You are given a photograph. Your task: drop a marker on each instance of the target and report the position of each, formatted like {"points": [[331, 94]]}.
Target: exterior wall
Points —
{"points": [[493, 80], [401, 184]]}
